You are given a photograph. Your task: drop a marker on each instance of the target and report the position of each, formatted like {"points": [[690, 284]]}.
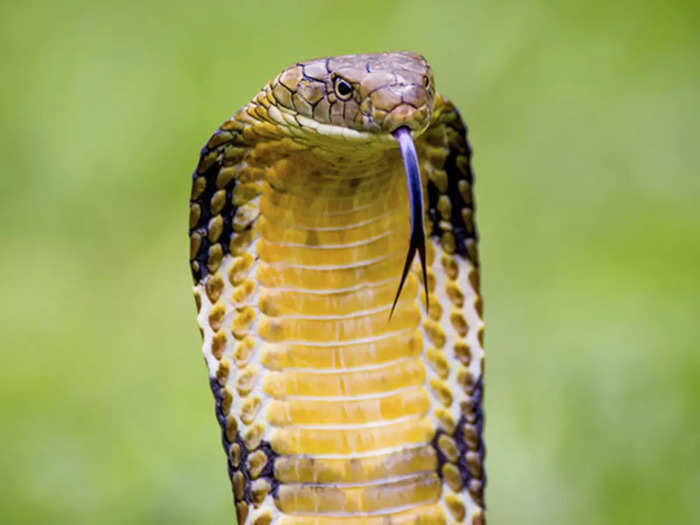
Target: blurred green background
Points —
{"points": [[584, 119]]}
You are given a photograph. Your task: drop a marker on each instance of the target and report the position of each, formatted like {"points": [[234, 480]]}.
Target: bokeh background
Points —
{"points": [[584, 119]]}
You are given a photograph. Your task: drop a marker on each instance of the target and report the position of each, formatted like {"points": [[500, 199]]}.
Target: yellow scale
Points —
{"points": [[348, 410]]}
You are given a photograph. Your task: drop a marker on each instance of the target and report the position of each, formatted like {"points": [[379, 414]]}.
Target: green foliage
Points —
{"points": [[584, 120]]}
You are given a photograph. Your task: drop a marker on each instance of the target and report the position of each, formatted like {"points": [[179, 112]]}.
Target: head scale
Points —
{"points": [[376, 93]]}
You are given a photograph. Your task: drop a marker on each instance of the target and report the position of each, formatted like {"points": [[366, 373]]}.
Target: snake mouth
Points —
{"points": [[403, 136], [403, 115]]}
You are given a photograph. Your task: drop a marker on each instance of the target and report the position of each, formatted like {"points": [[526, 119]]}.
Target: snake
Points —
{"points": [[334, 256]]}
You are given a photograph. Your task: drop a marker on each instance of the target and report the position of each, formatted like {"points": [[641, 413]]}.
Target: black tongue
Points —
{"points": [[415, 201]]}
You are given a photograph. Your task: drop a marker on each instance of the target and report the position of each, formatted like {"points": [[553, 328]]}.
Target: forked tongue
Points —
{"points": [[415, 201]]}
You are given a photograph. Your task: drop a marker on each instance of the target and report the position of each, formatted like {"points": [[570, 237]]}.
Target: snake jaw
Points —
{"points": [[415, 200]]}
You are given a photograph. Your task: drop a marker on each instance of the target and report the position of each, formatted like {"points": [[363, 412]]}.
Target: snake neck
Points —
{"points": [[330, 248], [326, 225]]}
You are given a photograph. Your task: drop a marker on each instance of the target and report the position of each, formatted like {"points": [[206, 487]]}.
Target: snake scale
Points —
{"points": [[347, 375]]}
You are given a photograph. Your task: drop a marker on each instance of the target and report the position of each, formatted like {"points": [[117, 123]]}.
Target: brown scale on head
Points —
{"points": [[375, 93]]}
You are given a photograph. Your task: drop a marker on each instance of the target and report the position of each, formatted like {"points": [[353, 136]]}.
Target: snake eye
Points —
{"points": [[343, 89], [426, 81]]}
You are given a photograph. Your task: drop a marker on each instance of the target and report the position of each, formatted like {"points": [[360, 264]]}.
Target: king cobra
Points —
{"points": [[346, 371]]}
